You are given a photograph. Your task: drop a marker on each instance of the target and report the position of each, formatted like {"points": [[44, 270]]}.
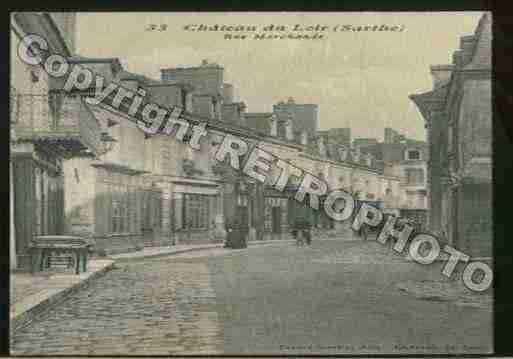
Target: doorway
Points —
{"points": [[276, 219]]}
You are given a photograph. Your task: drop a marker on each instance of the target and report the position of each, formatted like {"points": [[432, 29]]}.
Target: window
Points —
{"points": [[157, 203], [145, 210], [413, 155], [151, 203], [196, 211], [414, 175], [119, 209]]}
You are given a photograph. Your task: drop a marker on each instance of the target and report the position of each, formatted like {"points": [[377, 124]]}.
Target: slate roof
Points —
{"points": [[481, 58]]}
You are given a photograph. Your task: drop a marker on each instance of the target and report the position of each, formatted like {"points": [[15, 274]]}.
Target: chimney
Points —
{"points": [[440, 74], [274, 126], [228, 93], [355, 154], [368, 159], [342, 151], [289, 134], [467, 45], [304, 138], [457, 58], [321, 146]]}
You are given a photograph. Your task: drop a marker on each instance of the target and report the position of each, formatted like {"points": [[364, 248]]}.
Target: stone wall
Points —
{"points": [[476, 235], [80, 190]]}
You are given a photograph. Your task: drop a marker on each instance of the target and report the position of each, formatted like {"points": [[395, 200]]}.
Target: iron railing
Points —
{"points": [[54, 116]]}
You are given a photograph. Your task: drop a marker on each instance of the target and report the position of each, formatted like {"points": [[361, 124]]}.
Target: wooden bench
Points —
{"points": [[70, 251]]}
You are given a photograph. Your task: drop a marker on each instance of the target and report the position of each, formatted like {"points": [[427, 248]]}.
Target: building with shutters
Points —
{"points": [[406, 158], [125, 190], [48, 127]]}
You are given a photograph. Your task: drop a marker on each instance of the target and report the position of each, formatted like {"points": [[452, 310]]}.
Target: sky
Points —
{"points": [[359, 79]]}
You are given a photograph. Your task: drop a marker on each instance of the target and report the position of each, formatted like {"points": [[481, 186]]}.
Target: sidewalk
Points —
{"points": [[33, 294], [164, 251], [149, 252]]}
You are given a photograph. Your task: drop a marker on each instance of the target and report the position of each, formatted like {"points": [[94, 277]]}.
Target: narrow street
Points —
{"points": [[335, 297]]}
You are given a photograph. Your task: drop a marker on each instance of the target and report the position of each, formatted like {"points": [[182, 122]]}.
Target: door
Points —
{"points": [[276, 219]]}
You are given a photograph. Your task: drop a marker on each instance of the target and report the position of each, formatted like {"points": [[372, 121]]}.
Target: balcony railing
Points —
{"points": [[58, 120]]}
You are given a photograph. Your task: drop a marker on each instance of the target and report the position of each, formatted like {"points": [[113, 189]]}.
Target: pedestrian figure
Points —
{"points": [[301, 233], [308, 236], [300, 239], [364, 231]]}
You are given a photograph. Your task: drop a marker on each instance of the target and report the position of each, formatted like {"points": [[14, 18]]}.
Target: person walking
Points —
{"points": [[364, 231]]}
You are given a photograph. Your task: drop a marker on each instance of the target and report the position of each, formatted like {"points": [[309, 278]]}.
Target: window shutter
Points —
{"points": [[178, 210]]}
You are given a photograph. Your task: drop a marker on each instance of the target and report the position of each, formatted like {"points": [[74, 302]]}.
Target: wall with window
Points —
{"points": [[194, 212], [37, 187], [390, 191], [414, 175], [413, 154], [122, 211]]}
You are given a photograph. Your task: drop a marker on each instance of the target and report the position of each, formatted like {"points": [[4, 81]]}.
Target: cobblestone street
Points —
{"points": [[335, 297], [141, 307]]}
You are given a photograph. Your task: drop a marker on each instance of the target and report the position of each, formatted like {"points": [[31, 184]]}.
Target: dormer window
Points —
{"points": [[413, 155]]}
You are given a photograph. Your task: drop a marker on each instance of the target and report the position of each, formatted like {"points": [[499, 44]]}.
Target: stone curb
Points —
{"points": [[162, 254], [199, 248], [53, 298], [277, 241]]}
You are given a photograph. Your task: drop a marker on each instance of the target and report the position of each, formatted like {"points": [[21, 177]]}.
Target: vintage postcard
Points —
{"points": [[277, 183]]}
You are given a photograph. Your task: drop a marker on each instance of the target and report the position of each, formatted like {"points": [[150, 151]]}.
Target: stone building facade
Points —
{"points": [[126, 190], [295, 119], [342, 167], [405, 158], [47, 128], [114, 197], [458, 118]]}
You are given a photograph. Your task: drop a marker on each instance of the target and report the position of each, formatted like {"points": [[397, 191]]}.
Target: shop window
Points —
{"points": [[151, 208], [157, 203], [196, 211], [119, 209]]}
